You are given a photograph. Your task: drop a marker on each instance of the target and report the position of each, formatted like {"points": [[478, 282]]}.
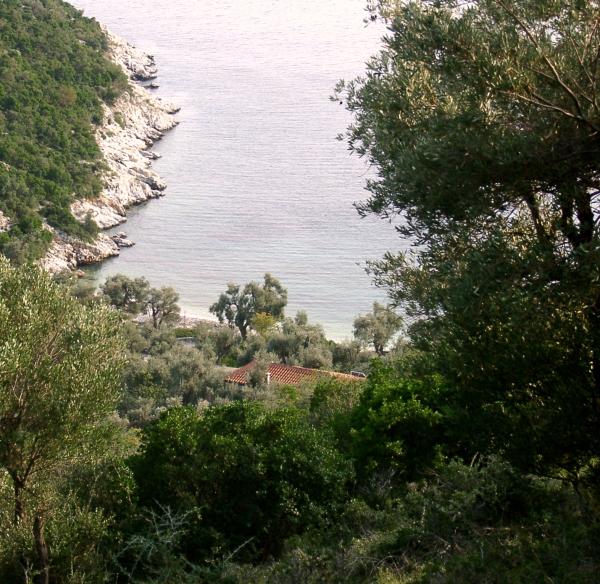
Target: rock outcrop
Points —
{"points": [[131, 126], [121, 240], [4, 222], [137, 64], [67, 253]]}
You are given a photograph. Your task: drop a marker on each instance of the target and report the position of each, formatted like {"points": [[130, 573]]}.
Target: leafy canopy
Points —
{"points": [[59, 381], [251, 476], [59, 374], [240, 307], [135, 296], [378, 327], [482, 119]]}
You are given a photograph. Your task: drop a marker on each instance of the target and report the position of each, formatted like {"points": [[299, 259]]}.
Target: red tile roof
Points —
{"points": [[287, 374]]}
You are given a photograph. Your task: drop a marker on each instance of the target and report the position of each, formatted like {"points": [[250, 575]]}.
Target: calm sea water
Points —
{"points": [[257, 181]]}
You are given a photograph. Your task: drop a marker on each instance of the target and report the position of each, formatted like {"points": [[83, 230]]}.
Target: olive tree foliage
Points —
{"points": [[298, 342], [60, 367], [162, 306], [239, 306], [136, 296], [155, 382], [84, 289], [220, 340], [162, 372], [349, 355], [263, 323], [378, 327], [127, 294], [483, 121]]}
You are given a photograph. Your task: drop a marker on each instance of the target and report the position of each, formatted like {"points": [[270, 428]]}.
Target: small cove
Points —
{"points": [[257, 181]]}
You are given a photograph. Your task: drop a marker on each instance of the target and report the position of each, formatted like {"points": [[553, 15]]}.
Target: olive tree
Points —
{"points": [[482, 119], [59, 380], [239, 306], [127, 294], [162, 306], [378, 327], [297, 342], [136, 296], [220, 340]]}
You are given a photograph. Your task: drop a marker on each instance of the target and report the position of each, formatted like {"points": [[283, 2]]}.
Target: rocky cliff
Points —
{"points": [[130, 126]]}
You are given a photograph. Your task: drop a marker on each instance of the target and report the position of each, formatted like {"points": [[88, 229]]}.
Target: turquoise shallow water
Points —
{"points": [[257, 181]]}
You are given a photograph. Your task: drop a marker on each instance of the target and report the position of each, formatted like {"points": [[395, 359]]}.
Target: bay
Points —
{"points": [[257, 181]]}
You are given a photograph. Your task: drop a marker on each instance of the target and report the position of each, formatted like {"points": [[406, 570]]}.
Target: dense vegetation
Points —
{"points": [[483, 123], [470, 454], [53, 79], [381, 480]]}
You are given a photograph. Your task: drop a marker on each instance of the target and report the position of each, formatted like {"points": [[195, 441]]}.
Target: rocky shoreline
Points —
{"points": [[130, 127]]}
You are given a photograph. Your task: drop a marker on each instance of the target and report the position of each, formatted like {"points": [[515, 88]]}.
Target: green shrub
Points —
{"points": [[249, 477], [398, 424], [465, 524]]}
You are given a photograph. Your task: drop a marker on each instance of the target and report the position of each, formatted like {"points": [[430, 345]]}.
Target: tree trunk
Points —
{"points": [[19, 516], [536, 218], [19, 507], [41, 548]]}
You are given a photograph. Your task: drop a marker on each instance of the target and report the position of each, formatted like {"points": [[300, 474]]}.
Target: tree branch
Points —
{"points": [[549, 63]]}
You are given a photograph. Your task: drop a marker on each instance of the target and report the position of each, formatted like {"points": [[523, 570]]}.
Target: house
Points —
{"points": [[287, 375]]}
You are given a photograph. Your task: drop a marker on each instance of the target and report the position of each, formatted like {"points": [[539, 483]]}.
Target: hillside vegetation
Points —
{"points": [[470, 453], [53, 78], [192, 480]]}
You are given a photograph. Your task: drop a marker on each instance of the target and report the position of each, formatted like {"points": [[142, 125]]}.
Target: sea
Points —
{"points": [[257, 181]]}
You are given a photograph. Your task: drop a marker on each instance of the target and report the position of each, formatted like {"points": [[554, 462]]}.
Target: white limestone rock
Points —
{"points": [[121, 240], [4, 222], [139, 65], [67, 253], [130, 127]]}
